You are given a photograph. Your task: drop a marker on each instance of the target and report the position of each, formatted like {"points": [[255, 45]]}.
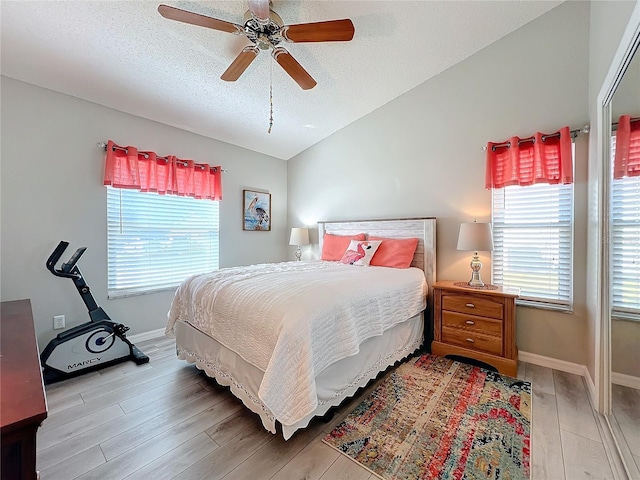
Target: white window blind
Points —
{"points": [[156, 241], [625, 245], [533, 238]]}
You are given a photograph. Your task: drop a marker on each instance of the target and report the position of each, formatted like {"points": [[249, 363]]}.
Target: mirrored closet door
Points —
{"points": [[624, 270]]}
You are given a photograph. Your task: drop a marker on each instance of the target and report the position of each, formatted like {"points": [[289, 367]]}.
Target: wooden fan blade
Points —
{"points": [[260, 9], [240, 64], [331, 31], [293, 68], [184, 16]]}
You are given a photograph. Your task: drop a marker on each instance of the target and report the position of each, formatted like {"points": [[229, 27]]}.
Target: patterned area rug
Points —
{"points": [[434, 418]]}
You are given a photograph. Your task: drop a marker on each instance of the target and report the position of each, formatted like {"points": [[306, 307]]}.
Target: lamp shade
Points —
{"points": [[476, 237], [299, 236]]}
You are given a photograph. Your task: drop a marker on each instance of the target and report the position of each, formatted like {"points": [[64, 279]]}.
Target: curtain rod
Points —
{"points": [[103, 146], [574, 134], [614, 125]]}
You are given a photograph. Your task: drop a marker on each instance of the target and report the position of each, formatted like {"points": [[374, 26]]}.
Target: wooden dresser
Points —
{"points": [[476, 323], [23, 406]]}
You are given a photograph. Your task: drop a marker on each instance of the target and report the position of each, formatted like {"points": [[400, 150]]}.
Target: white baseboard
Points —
{"points": [[625, 380], [591, 388], [141, 337], [563, 366], [549, 362]]}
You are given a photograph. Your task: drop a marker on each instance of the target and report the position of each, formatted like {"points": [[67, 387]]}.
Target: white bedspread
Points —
{"points": [[292, 320]]}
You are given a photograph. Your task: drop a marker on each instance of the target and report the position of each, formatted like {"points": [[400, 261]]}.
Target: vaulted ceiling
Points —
{"points": [[125, 55]]}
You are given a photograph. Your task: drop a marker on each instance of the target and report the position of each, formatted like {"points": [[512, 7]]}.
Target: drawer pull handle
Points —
{"points": [[470, 340], [470, 322], [471, 305]]}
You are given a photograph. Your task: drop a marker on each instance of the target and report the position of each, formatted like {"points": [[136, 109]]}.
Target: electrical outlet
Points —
{"points": [[58, 322]]}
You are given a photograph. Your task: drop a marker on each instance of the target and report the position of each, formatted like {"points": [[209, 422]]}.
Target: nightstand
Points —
{"points": [[476, 323]]}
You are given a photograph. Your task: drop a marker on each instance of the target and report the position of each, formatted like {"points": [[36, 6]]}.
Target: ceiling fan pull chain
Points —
{"points": [[270, 95]]}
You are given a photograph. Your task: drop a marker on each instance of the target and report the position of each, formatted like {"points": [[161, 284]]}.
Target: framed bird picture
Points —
{"points": [[257, 210]]}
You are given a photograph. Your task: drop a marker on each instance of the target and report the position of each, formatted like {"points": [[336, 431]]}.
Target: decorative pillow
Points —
{"points": [[360, 252], [333, 246], [394, 252]]}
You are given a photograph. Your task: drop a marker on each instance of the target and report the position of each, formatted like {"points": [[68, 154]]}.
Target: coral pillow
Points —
{"points": [[360, 252], [334, 246], [394, 252]]}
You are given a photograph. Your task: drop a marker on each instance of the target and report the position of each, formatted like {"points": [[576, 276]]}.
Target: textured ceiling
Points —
{"points": [[124, 55]]}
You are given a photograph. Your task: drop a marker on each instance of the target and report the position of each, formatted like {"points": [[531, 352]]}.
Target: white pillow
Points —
{"points": [[360, 252]]}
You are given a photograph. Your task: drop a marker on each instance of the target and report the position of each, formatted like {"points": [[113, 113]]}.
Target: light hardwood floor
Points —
{"points": [[626, 410], [165, 420]]}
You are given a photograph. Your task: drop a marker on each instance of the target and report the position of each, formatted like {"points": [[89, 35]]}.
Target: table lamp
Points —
{"points": [[299, 236], [475, 237]]}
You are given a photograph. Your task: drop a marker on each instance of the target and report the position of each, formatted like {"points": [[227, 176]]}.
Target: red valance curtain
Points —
{"points": [[627, 159], [126, 167], [542, 158]]}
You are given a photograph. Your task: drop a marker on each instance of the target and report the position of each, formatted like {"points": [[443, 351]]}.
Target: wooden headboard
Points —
{"points": [[424, 229]]}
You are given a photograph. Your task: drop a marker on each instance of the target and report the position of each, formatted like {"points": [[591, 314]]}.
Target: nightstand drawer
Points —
{"points": [[473, 305], [472, 340], [472, 323]]}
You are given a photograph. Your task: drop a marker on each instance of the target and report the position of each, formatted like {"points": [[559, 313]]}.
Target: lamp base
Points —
{"points": [[475, 265], [298, 253]]}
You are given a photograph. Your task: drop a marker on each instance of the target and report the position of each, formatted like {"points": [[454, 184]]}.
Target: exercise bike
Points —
{"points": [[96, 344]]}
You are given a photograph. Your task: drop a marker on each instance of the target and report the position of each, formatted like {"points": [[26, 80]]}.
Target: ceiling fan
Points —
{"points": [[266, 30]]}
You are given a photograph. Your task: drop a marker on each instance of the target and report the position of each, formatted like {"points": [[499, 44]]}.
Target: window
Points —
{"points": [[156, 241], [625, 245], [533, 238]]}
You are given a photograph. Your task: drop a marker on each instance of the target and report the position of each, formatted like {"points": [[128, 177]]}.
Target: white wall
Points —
{"points": [[626, 100], [420, 155], [51, 190]]}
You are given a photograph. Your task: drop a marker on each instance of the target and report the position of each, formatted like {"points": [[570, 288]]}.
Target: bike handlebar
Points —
{"points": [[66, 270]]}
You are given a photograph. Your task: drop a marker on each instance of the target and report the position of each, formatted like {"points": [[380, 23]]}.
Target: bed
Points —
{"points": [[293, 339]]}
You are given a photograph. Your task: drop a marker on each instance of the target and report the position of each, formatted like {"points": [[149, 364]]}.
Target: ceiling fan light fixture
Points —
{"points": [[263, 42]]}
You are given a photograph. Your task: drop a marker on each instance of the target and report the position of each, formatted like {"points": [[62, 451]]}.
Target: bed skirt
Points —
{"points": [[337, 382]]}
